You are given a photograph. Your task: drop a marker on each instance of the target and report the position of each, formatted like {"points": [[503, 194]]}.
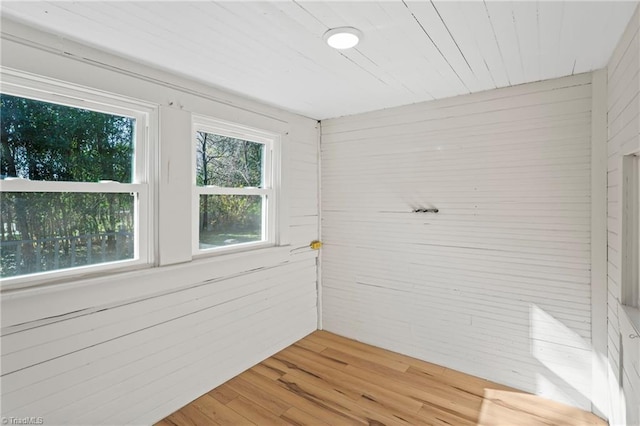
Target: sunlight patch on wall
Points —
{"points": [[565, 354]]}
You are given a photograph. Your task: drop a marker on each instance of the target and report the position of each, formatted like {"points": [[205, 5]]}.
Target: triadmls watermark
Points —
{"points": [[22, 420]]}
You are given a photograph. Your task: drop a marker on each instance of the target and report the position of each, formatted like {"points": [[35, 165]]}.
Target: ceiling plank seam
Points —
{"points": [[453, 38], [435, 45], [495, 37]]}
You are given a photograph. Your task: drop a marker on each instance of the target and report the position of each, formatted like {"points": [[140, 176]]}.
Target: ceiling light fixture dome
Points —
{"points": [[343, 37]]}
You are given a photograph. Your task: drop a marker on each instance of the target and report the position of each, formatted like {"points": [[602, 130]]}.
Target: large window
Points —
{"points": [[74, 194], [234, 193]]}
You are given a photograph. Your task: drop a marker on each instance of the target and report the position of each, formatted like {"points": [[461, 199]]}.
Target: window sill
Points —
{"points": [[232, 251], [54, 302], [75, 274]]}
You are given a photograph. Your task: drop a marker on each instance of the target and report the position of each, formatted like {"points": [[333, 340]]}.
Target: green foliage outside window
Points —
{"points": [[41, 141], [45, 141], [232, 163]]}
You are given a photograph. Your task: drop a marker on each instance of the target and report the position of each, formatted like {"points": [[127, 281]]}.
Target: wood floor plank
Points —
{"points": [[320, 379], [357, 350], [308, 344], [197, 416], [355, 385], [275, 365], [500, 402], [222, 414], [178, 418], [437, 416], [492, 410], [298, 417], [431, 393], [340, 342], [318, 396], [280, 362], [412, 386], [366, 408], [366, 365], [169, 421], [267, 372], [346, 406], [253, 393], [190, 415], [394, 408], [467, 382], [298, 351], [313, 407], [325, 379], [224, 394], [256, 413]]}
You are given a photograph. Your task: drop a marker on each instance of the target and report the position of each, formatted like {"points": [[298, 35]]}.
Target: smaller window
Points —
{"points": [[234, 193], [631, 230]]}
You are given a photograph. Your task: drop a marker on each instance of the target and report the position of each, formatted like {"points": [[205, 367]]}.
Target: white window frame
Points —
{"points": [[269, 191], [630, 232], [52, 91]]}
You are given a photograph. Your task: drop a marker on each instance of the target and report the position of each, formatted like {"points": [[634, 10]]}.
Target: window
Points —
{"points": [[234, 187], [630, 235], [74, 190]]}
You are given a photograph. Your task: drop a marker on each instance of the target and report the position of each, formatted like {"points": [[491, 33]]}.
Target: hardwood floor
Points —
{"points": [[326, 379]]}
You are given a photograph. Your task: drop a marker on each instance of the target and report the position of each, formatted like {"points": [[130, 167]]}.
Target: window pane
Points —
{"points": [[45, 141], [228, 162], [230, 219], [51, 231]]}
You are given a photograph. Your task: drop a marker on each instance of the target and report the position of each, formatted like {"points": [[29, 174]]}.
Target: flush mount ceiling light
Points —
{"points": [[342, 37]]}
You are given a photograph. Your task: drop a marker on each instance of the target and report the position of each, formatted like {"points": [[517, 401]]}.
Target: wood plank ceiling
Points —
{"points": [[412, 51]]}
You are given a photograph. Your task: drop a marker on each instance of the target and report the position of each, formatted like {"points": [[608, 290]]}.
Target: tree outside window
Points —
{"points": [[59, 217], [233, 185]]}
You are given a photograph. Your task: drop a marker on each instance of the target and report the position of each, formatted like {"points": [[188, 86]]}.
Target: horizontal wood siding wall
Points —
{"points": [[136, 361], [623, 106], [497, 284]]}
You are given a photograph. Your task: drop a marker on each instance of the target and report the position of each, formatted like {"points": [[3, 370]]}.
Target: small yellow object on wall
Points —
{"points": [[315, 245]]}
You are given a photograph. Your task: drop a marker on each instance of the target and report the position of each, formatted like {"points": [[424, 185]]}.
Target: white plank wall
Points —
{"points": [[624, 138], [133, 359], [497, 284]]}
